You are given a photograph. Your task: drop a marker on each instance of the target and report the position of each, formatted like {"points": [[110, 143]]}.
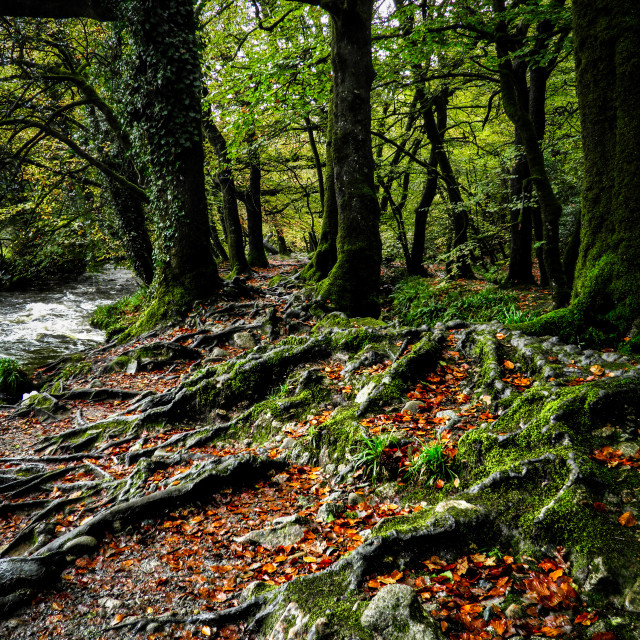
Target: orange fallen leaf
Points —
{"points": [[554, 575], [596, 369], [627, 519], [508, 364], [206, 631]]}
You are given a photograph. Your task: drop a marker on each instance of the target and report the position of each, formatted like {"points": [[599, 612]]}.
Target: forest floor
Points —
{"points": [[159, 575]]}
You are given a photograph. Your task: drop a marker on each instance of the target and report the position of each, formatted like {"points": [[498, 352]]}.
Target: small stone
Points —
{"points": [[447, 415], [81, 545], [244, 340], [288, 443], [632, 599], [132, 367], [330, 511], [413, 406], [445, 505], [110, 603], [354, 499]]}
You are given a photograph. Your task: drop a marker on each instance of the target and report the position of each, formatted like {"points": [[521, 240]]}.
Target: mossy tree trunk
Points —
{"points": [[414, 265], [607, 42], [326, 255], [354, 282]]}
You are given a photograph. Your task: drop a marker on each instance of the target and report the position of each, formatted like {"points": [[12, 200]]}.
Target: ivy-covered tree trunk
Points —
{"points": [[354, 282], [164, 102], [607, 42]]}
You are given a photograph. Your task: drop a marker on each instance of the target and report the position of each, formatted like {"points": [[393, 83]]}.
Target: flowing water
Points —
{"points": [[40, 325]]}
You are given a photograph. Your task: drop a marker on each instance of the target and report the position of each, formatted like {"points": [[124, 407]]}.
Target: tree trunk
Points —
{"points": [[520, 261], [232, 224], [414, 266], [354, 282], [550, 207], [326, 255], [256, 256], [130, 214], [167, 108], [459, 213], [607, 41]]}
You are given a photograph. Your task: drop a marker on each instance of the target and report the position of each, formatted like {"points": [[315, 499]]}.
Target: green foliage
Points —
{"points": [[419, 301], [115, 318], [370, 456], [430, 465], [13, 379]]}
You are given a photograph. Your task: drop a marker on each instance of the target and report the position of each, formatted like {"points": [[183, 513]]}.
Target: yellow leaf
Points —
{"points": [[554, 575], [206, 631], [56, 606], [596, 369]]}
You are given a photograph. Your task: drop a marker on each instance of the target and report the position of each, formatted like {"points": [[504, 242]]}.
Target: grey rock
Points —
{"points": [[395, 613], [446, 505], [110, 603], [288, 443], [448, 414], [412, 406], [632, 599], [610, 356], [354, 499], [244, 340], [330, 511], [132, 367], [284, 531], [81, 545]]}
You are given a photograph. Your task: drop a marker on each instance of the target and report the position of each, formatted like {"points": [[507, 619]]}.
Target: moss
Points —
{"points": [[327, 596]]}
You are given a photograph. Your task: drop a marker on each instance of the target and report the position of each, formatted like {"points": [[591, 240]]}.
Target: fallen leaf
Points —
{"points": [[508, 364], [627, 519], [596, 369]]}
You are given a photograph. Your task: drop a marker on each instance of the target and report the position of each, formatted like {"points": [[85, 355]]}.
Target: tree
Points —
{"points": [[163, 109], [353, 284]]}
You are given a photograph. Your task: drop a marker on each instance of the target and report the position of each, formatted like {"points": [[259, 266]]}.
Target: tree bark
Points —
{"points": [[459, 213], [326, 255], [256, 256], [232, 224], [354, 282], [607, 41], [550, 207], [414, 266]]}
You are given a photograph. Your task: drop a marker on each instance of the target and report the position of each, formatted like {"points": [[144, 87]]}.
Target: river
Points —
{"points": [[40, 325]]}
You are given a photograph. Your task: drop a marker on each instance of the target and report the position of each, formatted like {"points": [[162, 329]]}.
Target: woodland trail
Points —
{"points": [[183, 485]]}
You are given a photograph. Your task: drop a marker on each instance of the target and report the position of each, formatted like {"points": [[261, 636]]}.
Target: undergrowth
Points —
{"points": [[12, 377], [115, 318], [418, 301]]}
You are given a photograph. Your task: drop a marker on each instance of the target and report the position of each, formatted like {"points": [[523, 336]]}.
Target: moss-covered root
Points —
{"points": [[532, 469], [405, 370]]}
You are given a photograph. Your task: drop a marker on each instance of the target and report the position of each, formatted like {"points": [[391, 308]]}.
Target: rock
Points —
{"points": [[284, 531], [354, 499], [413, 406], [80, 546], [244, 340], [330, 511], [610, 357], [218, 352], [110, 603], [446, 505], [395, 613], [132, 367]]}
